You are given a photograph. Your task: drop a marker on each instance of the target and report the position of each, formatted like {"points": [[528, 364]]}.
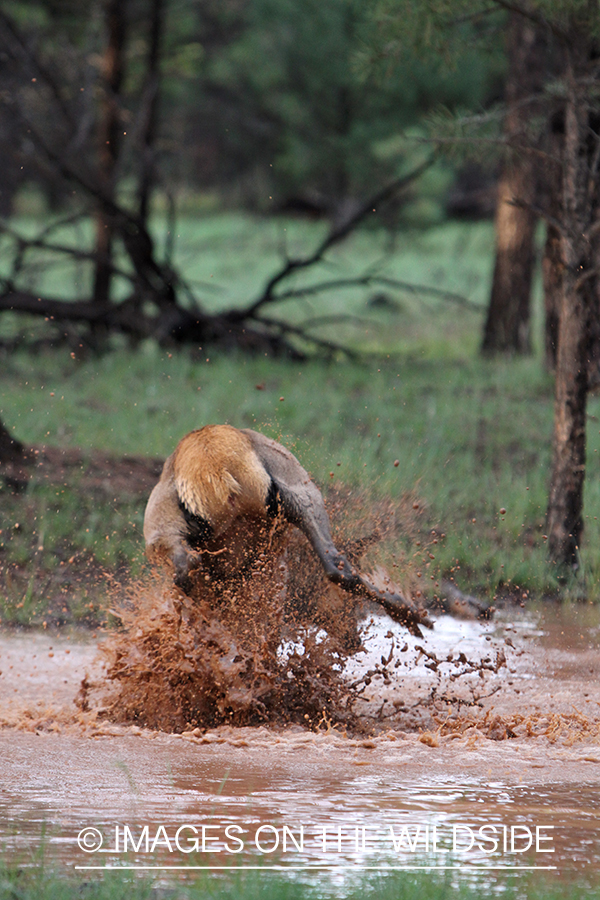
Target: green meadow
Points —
{"points": [[417, 417]]}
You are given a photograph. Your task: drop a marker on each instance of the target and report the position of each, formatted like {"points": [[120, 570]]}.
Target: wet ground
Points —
{"points": [[509, 777]]}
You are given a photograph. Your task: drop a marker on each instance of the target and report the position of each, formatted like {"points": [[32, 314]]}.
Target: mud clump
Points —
{"points": [[266, 646], [564, 728]]}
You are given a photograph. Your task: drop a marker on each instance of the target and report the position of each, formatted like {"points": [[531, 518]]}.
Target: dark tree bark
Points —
{"points": [[553, 264], [578, 301], [110, 126], [552, 261], [13, 461], [507, 325], [552, 269], [11, 450], [150, 109], [551, 201]]}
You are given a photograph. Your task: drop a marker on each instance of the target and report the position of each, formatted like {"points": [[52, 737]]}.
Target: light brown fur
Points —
{"points": [[218, 476]]}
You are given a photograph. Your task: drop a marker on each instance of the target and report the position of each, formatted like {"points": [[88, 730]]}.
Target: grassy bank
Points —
{"points": [[40, 884], [471, 437]]}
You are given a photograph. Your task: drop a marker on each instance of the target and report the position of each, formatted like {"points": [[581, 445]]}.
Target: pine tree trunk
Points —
{"points": [[552, 272], [553, 268], [551, 189], [579, 285], [565, 502], [507, 325], [148, 135], [109, 140]]}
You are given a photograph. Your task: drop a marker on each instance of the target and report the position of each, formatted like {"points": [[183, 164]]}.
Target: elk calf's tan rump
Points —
{"points": [[219, 476]]}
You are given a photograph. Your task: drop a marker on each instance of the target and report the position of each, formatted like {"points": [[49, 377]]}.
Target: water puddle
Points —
{"points": [[433, 793]]}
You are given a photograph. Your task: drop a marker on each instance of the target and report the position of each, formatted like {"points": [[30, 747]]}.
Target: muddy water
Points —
{"points": [[295, 798]]}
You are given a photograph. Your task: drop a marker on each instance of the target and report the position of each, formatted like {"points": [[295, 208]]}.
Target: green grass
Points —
{"points": [[471, 436], [43, 883]]}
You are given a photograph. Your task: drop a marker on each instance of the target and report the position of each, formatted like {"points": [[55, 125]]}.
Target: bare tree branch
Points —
{"points": [[301, 331], [369, 279], [533, 16], [334, 237], [39, 243]]}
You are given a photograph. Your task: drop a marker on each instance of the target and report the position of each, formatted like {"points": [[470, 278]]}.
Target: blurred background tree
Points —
{"points": [[551, 141], [264, 105], [295, 116], [265, 102]]}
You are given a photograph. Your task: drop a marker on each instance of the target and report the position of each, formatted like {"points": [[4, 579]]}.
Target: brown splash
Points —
{"points": [[264, 645], [216, 658]]}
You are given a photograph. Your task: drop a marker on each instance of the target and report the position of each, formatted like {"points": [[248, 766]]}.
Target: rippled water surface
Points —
{"points": [[240, 797]]}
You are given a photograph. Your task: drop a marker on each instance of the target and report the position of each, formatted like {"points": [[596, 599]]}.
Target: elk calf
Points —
{"points": [[219, 477]]}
